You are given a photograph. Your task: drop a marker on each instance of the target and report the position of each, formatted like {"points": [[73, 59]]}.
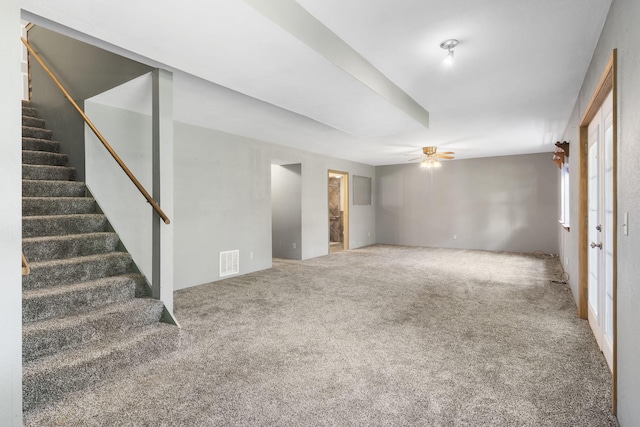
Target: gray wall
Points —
{"points": [[223, 202], [286, 211], [621, 31], [10, 216], [84, 71], [499, 203]]}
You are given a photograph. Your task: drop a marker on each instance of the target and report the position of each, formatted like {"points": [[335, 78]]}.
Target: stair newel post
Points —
{"points": [[162, 135]]}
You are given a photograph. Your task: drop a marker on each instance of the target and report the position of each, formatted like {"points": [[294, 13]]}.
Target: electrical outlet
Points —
{"points": [[250, 255], [369, 234], [294, 245], [455, 237], [566, 261]]}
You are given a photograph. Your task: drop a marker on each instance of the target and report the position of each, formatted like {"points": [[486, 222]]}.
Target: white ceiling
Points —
{"points": [[353, 78]]}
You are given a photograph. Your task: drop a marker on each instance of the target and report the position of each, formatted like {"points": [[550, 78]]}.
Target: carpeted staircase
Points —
{"points": [[86, 313]]}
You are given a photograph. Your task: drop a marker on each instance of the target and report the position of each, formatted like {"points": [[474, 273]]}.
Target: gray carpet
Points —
{"points": [[376, 336]]}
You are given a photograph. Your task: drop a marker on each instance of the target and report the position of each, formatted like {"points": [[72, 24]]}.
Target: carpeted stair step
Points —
{"points": [[31, 132], [74, 270], [81, 318], [43, 188], [29, 111], [68, 300], [59, 225], [49, 173], [49, 378], [44, 338], [68, 246], [32, 206], [44, 158], [34, 144], [33, 122]]}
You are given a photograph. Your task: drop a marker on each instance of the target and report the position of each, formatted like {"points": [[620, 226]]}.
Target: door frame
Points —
{"points": [[606, 84], [344, 185]]}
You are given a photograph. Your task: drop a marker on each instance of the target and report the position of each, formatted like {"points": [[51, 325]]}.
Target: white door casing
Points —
{"points": [[600, 227]]}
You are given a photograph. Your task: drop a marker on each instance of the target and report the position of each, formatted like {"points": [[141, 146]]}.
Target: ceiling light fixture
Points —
{"points": [[449, 44], [430, 158], [430, 163]]}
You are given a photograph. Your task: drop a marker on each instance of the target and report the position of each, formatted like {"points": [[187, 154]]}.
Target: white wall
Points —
{"points": [[621, 31], [568, 240], [223, 202], [10, 216], [129, 134], [24, 64], [315, 204], [286, 211], [499, 203]]}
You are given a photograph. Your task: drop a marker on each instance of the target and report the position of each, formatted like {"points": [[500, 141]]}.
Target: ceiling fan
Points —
{"points": [[430, 158]]}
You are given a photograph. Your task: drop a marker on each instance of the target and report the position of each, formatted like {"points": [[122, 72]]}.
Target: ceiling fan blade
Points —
{"points": [[417, 158], [446, 152], [440, 156]]}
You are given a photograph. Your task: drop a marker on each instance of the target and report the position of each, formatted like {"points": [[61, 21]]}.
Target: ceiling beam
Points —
{"points": [[293, 18]]}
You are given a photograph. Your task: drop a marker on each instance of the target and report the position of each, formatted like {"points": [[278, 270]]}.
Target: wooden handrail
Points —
{"points": [[25, 266], [117, 158]]}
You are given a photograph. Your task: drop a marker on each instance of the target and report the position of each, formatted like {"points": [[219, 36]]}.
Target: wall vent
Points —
{"points": [[229, 263]]}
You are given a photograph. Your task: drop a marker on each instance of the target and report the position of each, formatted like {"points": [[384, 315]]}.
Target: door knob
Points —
{"points": [[596, 245], [599, 227]]}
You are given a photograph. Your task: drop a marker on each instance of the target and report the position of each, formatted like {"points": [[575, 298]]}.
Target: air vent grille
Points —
{"points": [[229, 263]]}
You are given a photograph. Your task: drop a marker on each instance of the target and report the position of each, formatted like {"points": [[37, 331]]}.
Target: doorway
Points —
{"points": [[338, 209], [597, 213], [286, 210], [600, 228]]}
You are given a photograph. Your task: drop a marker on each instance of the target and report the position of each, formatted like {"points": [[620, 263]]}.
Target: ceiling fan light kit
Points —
{"points": [[430, 164], [430, 158]]}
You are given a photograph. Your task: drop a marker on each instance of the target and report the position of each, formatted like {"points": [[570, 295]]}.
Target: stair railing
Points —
{"points": [[25, 266], [111, 151]]}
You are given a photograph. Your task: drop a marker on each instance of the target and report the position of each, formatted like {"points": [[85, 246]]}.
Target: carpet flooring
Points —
{"points": [[377, 336]]}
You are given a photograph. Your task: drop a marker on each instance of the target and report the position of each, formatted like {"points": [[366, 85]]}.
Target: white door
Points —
{"points": [[601, 227]]}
